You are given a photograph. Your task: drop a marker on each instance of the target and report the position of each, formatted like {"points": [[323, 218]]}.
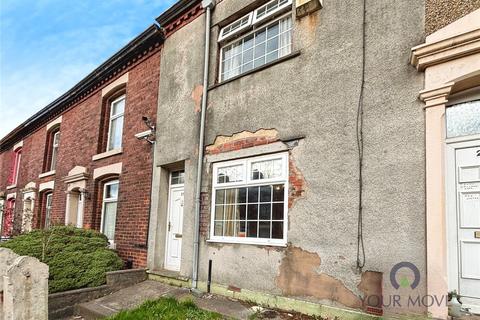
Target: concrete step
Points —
{"points": [[92, 311]]}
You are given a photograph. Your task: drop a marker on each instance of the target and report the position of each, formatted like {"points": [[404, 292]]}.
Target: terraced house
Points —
{"points": [[322, 156], [77, 161]]}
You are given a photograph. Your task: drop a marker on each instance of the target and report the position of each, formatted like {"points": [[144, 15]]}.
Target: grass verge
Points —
{"points": [[166, 309]]}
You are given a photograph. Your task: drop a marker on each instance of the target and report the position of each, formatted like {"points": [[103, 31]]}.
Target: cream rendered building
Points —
{"points": [[450, 59]]}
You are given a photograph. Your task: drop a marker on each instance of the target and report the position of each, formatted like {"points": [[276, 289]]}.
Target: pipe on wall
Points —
{"points": [[208, 5]]}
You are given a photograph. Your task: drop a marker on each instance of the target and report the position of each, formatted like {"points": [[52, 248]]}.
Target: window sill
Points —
{"points": [[107, 154], [250, 242], [265, 66], [11, 186], [47, 174]]}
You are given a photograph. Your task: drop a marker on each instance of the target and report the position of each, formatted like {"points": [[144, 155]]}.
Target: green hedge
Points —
{"points": [[77, 258]]}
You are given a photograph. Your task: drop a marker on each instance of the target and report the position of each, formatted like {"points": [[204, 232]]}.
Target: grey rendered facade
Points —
{"points": [[309, 101]]}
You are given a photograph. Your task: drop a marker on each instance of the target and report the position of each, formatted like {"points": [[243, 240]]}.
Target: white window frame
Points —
{"points": [[48, 208], [182, 176], [248, 182], [106, 200], [18, 159], [284, 6], [113, 117], [265, 25], [222, 35], [227, 164], [55, 145]]}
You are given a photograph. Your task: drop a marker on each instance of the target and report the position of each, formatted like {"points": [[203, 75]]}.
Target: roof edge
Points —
{"points": [[175, 11], [148, 37]]}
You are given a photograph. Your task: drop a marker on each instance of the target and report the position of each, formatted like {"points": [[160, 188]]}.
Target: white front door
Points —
{"points": [[465, 252], [174, 229], [79, 217]]}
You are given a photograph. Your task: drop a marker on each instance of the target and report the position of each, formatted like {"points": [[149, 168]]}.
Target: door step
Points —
{"points": [[169, 277], [92, 311]]}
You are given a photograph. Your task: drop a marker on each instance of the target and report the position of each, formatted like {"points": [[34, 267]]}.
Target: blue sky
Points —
{"points": [[47, 46]]}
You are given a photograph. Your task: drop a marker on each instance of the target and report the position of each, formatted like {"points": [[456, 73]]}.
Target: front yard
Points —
{"points": [[77, 258], [166, 309]]}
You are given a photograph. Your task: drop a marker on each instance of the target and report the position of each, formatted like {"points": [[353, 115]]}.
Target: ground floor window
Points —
{"points": [[48, 209], [250, 200], [109, 209]]}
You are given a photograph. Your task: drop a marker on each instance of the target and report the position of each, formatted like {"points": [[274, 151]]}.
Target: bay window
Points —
{"points": [[109, 209], [250, 200], [265, 40], [115, 125]]}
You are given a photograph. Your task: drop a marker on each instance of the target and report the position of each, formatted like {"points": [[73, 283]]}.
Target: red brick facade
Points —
{"points": [[81, 137], [84, 133], [240, 144]]}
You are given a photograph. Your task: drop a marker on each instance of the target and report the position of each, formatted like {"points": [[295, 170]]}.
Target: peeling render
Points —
{"points": [[371, 286], [296, 182], [197, 97], [241, 140], [297, 277], [313, 95]]}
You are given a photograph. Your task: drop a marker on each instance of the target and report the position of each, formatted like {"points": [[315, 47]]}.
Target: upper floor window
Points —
{"points": [[53, 143], [15, 169], [264, 41], [250, 200], [115, 125], [235, 27], [269, 9]]}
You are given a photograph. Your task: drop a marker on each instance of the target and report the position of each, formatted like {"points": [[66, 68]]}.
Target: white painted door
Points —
{"points": [[467, 163], [174, 229], [80, 203]]}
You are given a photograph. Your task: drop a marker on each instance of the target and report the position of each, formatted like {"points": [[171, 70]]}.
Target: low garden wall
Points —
{"points": [[23, 287], [61, 304]]}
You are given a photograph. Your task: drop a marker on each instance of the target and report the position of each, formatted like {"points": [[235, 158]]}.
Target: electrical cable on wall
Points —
{"points": [[359, 136]]}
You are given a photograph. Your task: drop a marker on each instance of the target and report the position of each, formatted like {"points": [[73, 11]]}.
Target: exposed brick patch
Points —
{"points": [[296, 183], [371, 286], [242, 140], [204, 213]]}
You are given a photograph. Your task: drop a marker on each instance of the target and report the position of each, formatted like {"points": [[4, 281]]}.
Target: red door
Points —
{"points": [[7, 223]]}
